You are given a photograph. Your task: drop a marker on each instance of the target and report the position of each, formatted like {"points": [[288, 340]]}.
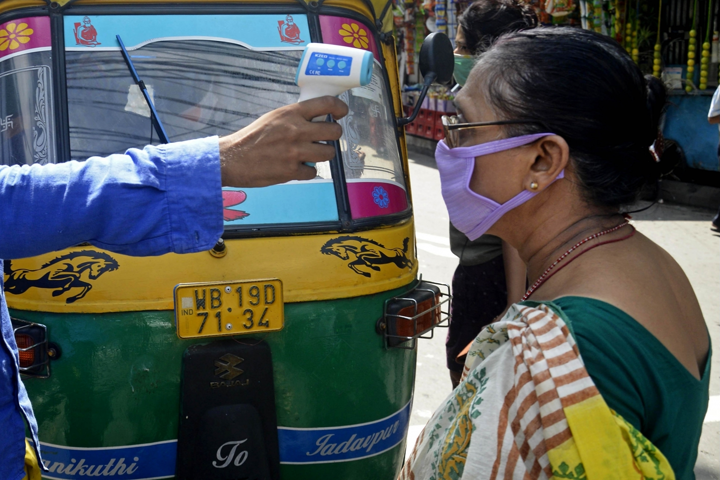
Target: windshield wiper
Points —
{"points": [[153, 114]]}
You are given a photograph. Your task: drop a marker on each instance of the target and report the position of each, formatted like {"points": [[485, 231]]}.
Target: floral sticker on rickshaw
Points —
{"points": [[381, 197], [355, 35], [14, 35], [348, 33], [24, 34]]}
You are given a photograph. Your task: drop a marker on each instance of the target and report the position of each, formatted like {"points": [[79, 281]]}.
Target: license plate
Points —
{"points": [[228, 308]]}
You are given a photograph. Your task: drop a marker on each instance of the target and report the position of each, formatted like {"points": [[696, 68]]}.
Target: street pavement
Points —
{"points": [[683, 231]]}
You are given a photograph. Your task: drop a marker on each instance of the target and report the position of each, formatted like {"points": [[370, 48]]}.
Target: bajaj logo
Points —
{"points": [[226, 366]]}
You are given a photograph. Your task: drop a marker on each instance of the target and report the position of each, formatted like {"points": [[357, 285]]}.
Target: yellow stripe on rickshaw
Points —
{"points": [[311, 268]]}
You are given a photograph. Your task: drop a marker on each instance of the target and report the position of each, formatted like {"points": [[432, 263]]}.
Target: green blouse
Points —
{"points": [[639, 378]]}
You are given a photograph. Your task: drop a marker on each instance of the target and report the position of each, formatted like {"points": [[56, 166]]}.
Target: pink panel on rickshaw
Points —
{"points": [[375, 198], [24, 34], [348, 33]]}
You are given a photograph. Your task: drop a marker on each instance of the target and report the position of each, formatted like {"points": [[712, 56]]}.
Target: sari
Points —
{"points": [[527, 408]]}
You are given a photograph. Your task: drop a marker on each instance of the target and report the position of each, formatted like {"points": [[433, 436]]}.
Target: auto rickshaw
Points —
{"points": [[288, 350]]}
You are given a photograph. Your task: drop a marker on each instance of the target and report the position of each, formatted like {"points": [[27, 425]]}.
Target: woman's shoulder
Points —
{"points": [[640, 284]]}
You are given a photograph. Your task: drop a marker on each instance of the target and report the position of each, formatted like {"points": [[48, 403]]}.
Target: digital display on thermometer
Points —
{"points": [[325, 64]]}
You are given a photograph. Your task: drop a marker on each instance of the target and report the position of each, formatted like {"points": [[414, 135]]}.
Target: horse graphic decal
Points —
{"points": [[62, 273], [366, 253]]}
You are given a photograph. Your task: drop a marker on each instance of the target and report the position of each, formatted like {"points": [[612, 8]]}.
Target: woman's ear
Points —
{"points": [[552, 154]]}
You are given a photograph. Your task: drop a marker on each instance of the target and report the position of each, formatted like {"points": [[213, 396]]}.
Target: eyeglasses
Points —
{"points": [[452, 127]]}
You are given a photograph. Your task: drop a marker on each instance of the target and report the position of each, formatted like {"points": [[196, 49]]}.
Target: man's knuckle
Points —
{"points": [[328, 153], [337, 131], [328, 103], [297, 152], [293, 132]]}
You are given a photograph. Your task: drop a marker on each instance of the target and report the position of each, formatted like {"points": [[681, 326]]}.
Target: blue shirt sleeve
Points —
{"points": [[161, 199]]}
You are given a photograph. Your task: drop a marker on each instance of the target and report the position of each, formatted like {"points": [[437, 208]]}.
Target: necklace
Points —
{"points": [[549, 271]]}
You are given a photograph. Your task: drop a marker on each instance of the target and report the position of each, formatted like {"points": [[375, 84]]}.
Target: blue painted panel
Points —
{"points": [[258, 32], [297, 446], [131, 462], [342, 444], [686, 123], [300, 202]]}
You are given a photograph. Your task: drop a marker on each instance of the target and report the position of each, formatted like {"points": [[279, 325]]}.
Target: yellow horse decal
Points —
{"points": [[62, 274], [366, 253]]}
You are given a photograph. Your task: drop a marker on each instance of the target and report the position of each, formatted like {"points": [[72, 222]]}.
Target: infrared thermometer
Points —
{"points": [[332, 70]]}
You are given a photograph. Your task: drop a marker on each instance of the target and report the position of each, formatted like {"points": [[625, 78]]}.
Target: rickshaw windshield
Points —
{"points": [[206, 75], [199, 88]]}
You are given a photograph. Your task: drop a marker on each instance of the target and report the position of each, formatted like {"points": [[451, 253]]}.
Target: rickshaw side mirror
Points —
{"points": [[436, 59], [436, 66]]}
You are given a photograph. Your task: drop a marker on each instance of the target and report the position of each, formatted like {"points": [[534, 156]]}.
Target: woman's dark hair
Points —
{"points": [[485, 20], [584, 87]]}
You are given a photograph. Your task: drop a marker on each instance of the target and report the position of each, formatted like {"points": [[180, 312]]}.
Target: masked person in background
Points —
{"points": [[605, 371], [491, 276]]}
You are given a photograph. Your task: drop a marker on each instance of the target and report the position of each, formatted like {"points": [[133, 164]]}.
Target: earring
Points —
{"points": [[534, 186]]}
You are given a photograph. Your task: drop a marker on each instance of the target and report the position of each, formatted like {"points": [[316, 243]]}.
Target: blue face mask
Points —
{"points": [[470, 212], [463, 65]]}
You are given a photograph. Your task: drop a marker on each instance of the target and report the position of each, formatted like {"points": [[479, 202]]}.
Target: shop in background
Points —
{"points": [[414, 20], [675, 40]]}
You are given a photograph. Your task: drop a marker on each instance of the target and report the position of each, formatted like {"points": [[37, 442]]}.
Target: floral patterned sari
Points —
{"points": [[527, 408]]}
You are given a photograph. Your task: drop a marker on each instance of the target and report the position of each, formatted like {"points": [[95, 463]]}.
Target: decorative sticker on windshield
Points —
{"points": [[23, 36], [371, 197], [256, 32], [292, 202], [348, 33], [381, 197], [85, 33], [233, 198], [289, 31]]}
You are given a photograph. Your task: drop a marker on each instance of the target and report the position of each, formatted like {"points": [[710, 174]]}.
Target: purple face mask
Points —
{"points": [[471, 213]]}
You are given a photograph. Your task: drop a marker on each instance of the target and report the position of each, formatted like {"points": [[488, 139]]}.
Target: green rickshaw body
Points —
{"points": [[118, 384]]}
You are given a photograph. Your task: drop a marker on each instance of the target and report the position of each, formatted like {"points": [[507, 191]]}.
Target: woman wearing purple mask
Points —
{"points": [[490, 276], [603, 369]]}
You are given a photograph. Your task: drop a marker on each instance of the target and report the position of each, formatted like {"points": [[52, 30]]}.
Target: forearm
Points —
{"points": [[515, 273], [146, 202]]}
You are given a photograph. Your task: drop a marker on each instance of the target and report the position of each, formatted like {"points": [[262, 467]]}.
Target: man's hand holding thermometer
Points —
{"points": [[284, 144], [276, 147], [331, 70]]}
